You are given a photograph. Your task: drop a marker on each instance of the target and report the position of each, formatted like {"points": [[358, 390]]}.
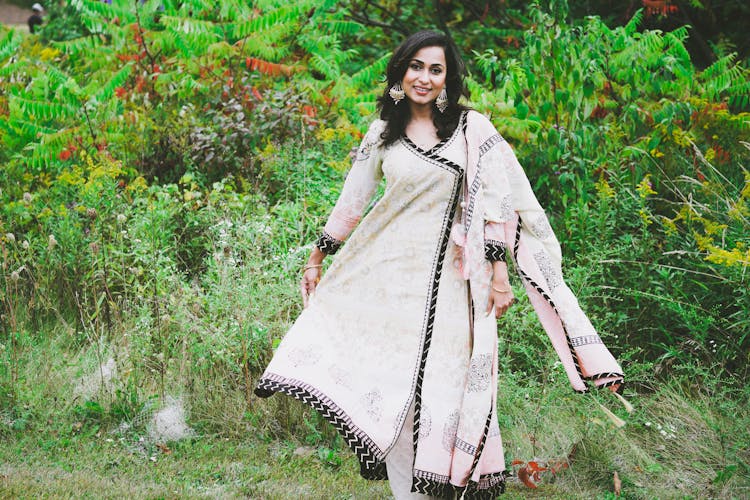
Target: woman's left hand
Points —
{"points": [[500, 301], [501, 295]]}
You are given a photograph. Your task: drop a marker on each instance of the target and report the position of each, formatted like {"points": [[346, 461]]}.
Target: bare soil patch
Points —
{"points": [[13, 14]]}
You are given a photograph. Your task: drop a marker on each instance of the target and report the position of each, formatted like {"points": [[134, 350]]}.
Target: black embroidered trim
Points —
{"points": [[546, 297], [328, 244], [444, 143], [494, 251], [487, 145], [371, 458], [479, 489], [604, 375], [611, 383], [433, 295], [586, 340], [434, 158], [467, 448], [425, 486], [554, 308], [477, 181], [489, 487], [431, 476]]}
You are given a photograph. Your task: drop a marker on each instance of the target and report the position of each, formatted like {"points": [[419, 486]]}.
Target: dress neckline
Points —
{"points": [[440, 145], [421, 150]]}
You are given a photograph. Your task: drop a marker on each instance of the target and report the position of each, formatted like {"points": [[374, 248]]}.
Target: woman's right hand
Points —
{"points": [[310, 280]]}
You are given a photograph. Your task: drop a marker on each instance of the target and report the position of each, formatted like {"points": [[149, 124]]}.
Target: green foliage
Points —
{"points": [[164, 174]]}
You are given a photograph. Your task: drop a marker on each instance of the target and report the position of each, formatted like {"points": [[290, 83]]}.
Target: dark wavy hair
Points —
{"points": [[396, 117]]}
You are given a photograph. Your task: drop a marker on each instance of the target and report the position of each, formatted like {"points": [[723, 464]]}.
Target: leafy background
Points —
{"points": [[166, 166]]}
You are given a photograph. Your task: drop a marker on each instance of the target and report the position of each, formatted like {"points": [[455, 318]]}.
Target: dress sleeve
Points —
{"points": [[359, 188], [498, 203]]}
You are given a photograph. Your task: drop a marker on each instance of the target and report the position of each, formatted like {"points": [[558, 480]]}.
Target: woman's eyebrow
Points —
{"points": [[422, 62]]}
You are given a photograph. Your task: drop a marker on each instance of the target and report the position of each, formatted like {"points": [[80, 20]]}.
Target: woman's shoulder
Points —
{"points": [[373, 136], [475, 118], [376, 127]]}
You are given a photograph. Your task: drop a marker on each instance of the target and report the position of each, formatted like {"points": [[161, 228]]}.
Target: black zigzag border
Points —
{"points": [[328, 244], [549, 300], [488, 486], [494, 251], [371, 458]]}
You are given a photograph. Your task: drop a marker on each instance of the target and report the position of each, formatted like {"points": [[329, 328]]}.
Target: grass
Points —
{"points": [[198, 469], [682, 441], [62, 431], [102, 467]]}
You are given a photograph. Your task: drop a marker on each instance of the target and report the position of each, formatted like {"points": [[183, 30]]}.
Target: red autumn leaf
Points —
{"points": [[120, 92], [268, 68], [140, 83], [523, 475], [64, 155], [517, 462], [535, 467], [257, 94], [309, 111]]}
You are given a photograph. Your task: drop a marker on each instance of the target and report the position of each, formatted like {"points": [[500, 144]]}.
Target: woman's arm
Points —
{"points": [[360, 186], [501, 294]]}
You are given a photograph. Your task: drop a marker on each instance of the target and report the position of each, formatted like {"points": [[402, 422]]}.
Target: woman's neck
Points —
{"points": [[420, 113]]}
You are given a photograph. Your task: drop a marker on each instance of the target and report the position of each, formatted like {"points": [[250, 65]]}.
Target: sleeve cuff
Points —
{"points": [[328, 244], [494, 250]]}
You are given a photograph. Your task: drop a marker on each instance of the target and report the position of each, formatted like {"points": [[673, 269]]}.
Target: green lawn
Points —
{"points": [[102, 466]]}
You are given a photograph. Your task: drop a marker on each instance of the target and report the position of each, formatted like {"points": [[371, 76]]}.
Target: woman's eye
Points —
{"points": [[436, 71], [415, 66]]}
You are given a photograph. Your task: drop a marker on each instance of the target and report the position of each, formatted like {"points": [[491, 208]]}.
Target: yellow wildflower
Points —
{"points": [[645, 187], [604, 189], [645, 216], [733, 257]]}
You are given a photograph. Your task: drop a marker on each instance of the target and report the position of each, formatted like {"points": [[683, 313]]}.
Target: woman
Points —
{"points": [[397, 347]]}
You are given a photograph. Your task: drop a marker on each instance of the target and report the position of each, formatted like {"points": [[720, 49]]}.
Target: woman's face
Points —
{"points": [[425, 76]]}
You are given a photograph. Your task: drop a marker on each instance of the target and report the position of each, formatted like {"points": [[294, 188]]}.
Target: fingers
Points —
{"points": [[500, 303], [500, 310], [305, 294], [308, 284], [307, 289]]}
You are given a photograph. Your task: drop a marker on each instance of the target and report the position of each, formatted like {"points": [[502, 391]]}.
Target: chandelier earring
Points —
{"points": [[397, 93], [442, 101]]}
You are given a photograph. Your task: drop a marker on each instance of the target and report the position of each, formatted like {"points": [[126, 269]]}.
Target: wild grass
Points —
{"points": [[682, 440]]}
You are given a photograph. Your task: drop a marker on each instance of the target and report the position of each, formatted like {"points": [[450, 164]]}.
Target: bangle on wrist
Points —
{"points": [[501, 290], [311, 266]]}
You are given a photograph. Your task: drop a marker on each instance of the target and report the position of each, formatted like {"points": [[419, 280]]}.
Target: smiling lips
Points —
{"points": [[421, 90]]}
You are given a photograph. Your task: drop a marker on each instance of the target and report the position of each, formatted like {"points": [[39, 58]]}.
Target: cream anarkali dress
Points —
{"points": [[390, 331]]}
